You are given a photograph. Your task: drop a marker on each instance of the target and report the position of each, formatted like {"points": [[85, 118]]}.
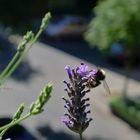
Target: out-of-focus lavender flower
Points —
{"points": [[69, 71], [76, 117]]}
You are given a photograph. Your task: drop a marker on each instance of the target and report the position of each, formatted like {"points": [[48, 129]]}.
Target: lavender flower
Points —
{"points": [[76, 117], [83, 69], [69, 71]]}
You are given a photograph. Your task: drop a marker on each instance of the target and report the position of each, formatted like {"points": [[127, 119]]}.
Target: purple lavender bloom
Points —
{"points": [[66, 121], [76, 117], [69, 71], [92, 74], [83, 69]]}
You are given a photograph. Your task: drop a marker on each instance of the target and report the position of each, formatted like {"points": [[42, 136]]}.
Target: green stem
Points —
{"points": [[4, 131], [22, 57], [9, 65], [81, 138], [14, 122]]}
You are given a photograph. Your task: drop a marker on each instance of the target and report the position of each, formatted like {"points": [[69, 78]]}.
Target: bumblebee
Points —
{"points": [[97, 80]]}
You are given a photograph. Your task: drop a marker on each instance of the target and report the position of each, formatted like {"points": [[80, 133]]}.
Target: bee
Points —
{"points": [[98, 79]]}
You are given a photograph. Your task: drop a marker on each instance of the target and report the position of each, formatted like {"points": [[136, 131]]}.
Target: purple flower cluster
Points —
{"points": [[76, 118]]}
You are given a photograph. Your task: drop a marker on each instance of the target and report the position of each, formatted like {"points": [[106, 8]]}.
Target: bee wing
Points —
{"points": [[106, 87]]}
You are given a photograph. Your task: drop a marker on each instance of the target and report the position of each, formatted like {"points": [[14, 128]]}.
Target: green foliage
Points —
{"points": [[127, 108], [37, 106], [22, 50], [116, 20], [19, 112]]}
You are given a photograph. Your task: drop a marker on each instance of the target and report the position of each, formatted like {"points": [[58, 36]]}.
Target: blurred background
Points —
{"points": [[101, 33]]}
